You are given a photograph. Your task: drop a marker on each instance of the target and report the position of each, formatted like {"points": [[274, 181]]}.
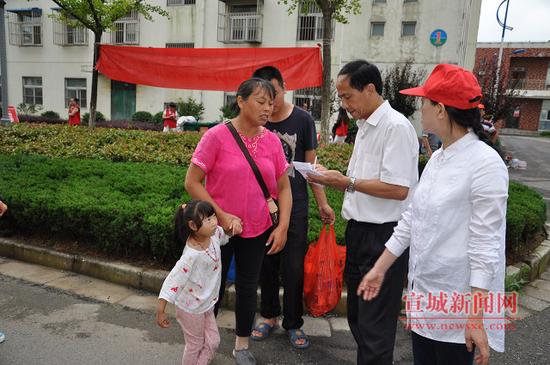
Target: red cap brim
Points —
{"points": [[414, 91]]}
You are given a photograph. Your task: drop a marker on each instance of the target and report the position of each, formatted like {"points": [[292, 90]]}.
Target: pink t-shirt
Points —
{"points": [[230, 180]]}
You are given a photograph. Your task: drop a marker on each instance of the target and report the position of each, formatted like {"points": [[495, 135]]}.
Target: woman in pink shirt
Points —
{"points": [[231, 187]]}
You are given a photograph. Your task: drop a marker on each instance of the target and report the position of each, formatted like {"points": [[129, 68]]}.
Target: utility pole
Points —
{"points": [[504, 28], [3, 65]]}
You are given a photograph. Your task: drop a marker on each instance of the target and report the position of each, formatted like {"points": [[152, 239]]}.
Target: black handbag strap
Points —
{"points": [[251, 162]]}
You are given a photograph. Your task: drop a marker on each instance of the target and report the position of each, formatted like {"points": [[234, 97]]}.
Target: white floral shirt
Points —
{"points": [[194, 282]]}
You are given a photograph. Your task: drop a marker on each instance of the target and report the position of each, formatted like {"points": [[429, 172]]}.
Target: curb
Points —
{"points": [[116, 272], [151, 280], [533, 266]]}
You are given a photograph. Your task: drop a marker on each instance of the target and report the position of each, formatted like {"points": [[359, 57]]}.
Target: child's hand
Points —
{"points": [[237, 228], [162, 321]]}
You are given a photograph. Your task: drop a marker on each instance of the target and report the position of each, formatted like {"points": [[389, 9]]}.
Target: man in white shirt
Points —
{"points": [[382, 171]]}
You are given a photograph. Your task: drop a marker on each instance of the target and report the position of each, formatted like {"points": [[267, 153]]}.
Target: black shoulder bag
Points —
{"points": [[271, 203]]}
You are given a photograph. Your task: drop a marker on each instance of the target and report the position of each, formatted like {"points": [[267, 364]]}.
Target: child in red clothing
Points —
{"points": [[74, 112], [340, 129], [170, 118]]}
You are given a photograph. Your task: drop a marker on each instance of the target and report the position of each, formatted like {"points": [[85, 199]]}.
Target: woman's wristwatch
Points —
{"points": [[351, 186]]}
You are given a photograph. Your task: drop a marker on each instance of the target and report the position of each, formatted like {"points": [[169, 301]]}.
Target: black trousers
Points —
{"points": [[291, 261], [374, 323], [249, 253], [431, 352]]}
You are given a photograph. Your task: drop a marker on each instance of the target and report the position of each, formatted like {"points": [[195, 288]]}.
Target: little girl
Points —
{"points": [[194, 282]]}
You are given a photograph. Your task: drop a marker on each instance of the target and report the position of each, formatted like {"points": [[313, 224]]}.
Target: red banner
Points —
{"points": [[220, 69]]}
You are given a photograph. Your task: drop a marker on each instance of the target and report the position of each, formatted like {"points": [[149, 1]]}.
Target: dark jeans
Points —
{"points": [[292, 260], [431, 352], [374, 323], [249, 253]]}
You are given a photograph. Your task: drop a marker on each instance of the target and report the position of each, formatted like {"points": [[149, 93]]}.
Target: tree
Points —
{"points": [[498, 99], [337, 10], [399, 77], [190, 108], [100, 16]]}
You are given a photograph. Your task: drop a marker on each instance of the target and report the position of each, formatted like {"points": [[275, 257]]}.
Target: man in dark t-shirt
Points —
{"points": [[296, 130]]}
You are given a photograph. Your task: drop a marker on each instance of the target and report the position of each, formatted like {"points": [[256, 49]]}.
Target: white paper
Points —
{"points": [[305, 168]]}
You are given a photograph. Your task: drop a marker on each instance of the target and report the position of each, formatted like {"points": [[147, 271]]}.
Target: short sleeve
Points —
{"points": [[400, 157], [279, 159], [206, 152], [310, 134], [176, 279]]}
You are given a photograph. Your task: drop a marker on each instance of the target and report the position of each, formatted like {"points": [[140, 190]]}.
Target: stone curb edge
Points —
{"points": [[114, 272], [151, 280], [533, 266]]}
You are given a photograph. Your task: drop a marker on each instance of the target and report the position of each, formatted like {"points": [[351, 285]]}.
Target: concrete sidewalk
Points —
{"points": [[107, 292], [331, 333]]}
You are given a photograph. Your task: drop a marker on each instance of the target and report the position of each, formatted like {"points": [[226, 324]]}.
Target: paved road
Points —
{"points": [[536, 152], [46, 325]]}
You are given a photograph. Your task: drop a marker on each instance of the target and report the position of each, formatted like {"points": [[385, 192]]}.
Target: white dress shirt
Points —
{"points": [[455, 227], [386, 149], [194, 282]]}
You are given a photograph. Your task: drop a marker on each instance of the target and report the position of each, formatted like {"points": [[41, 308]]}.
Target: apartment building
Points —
{"points": [[526, 73], [50, 62]]}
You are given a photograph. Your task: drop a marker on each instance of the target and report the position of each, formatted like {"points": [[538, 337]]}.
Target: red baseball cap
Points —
{"points": [[451, 85]]}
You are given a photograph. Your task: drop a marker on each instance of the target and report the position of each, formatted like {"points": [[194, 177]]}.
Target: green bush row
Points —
{"points": [[122, 207], [525, 217], [526, 208], [118, 145]]}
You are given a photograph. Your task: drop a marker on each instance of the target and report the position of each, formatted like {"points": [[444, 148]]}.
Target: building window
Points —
{"points": [[75, 88], [410, 1], [32, 90], [240, 22], [180, 45], [377, 29], [66, 35], [408, 29], [311, 96], [180, 2], [379, 1], [25, 27], [310, 24], [229, 98], [126, 29]]}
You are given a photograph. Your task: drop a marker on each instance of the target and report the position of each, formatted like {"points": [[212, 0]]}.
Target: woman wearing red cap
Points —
{"points": [[455, 228]]}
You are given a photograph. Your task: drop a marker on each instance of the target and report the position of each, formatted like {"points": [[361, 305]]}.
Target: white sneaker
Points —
{"points": [[2, 337]]}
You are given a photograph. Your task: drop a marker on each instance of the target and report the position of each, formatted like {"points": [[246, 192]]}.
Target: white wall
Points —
{"points": [[198, 24]]}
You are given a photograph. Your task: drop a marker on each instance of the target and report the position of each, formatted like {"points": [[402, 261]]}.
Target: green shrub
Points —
{"points": [[142, 116], [545, 134], [228, 112], [190, 107], [99, 117], [525, 217], [125, 208], [100, 143], [157, 118], [50, 114]]}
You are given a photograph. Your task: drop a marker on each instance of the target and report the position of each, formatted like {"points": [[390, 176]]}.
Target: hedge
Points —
{"points": [[116, 145], [525, 215], [121, 207]]}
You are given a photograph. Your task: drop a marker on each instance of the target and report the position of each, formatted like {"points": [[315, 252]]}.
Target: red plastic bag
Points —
{"points": [[323, 271]]}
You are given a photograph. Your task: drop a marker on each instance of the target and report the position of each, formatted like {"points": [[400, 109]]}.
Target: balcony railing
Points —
{"points": [[529, 84], [240, 27]]}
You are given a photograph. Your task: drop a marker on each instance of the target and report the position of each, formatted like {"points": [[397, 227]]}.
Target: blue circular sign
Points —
{"points": [[438, 37]]}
